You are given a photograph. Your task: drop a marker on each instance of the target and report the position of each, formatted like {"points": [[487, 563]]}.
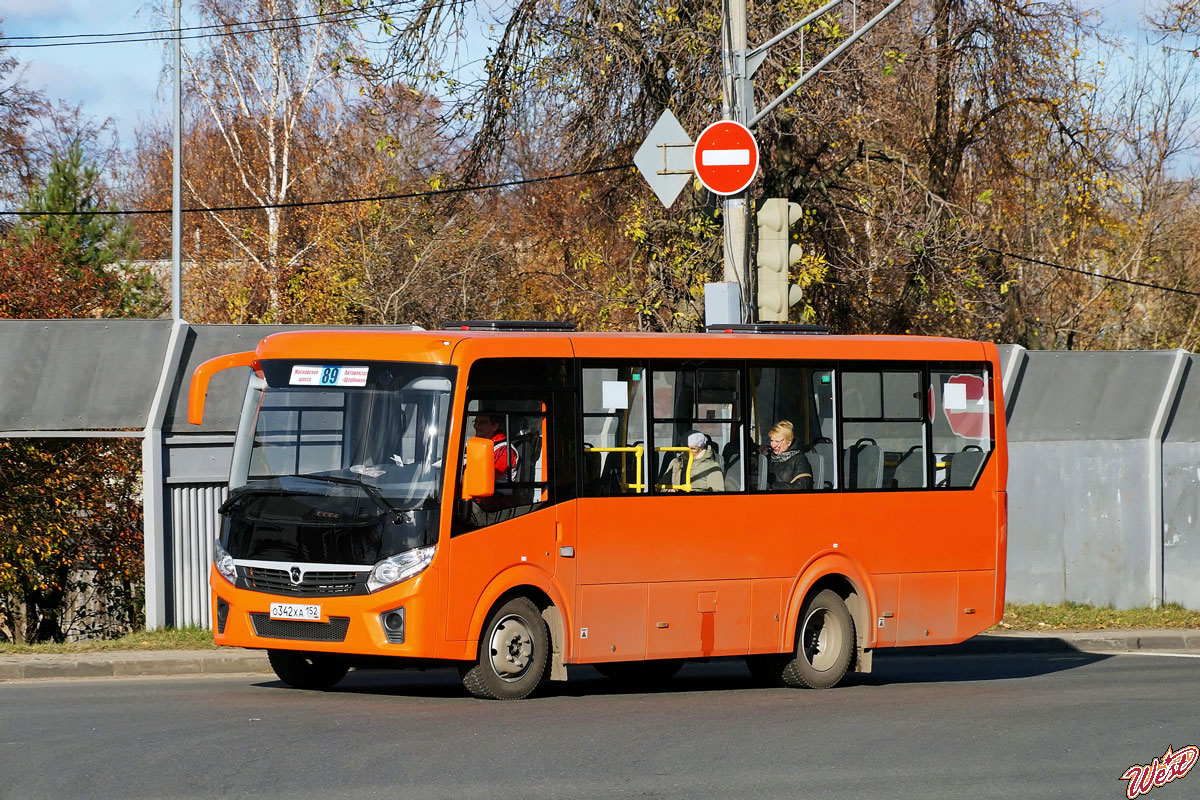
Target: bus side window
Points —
{"points": [[802, 396], [525, 406], [883, 428], [697, 398], [615, 456], [961, 405]]}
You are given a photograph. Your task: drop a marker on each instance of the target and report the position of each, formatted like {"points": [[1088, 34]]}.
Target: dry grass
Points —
{"points": [[163, 639], [1076, 616]]}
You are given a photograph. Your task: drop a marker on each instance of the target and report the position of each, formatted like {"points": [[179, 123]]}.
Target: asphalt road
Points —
{"points": [[1031, 726]]}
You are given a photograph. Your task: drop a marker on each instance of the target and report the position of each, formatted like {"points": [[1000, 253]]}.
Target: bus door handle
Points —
{"points": [[566, 551]]}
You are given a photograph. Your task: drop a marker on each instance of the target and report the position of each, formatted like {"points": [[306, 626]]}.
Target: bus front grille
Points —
{"points": [[332, 631], [313, 584]]}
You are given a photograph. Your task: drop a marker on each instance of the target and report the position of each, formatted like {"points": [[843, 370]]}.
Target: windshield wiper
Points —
{"points": [[258, 491], [372, 491]]}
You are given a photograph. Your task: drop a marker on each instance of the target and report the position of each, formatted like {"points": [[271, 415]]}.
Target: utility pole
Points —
{"points": [[738, 90], [739, 64], [176, 193]]}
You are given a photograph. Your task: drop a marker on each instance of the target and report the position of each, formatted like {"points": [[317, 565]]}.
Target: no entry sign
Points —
{"points": [[725, 157], [964, 401]]}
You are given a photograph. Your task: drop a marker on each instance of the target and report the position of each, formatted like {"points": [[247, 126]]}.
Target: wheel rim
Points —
{"points": [[511, 647], [822, 639]]}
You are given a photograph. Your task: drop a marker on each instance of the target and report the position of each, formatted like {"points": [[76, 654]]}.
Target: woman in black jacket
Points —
{"points": [[788, 469]]}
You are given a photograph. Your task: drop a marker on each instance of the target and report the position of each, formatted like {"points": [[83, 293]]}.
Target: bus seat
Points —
{"points": [[864, 465], [528, 446], [733, 470], [592, 463], [610, 476], [823, 447], [909, 472], [964, 466], [817, 462], [730, 450]]}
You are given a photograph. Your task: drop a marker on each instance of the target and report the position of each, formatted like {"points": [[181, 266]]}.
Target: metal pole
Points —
{"points": [[176, 192], [837, 51], [734, 208]]}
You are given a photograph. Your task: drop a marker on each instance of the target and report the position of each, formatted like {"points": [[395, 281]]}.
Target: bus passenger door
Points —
{"points": [[610, 569], [565, 540], [511, 537]]}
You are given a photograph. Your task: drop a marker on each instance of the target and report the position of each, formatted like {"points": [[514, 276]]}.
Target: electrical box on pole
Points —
{"points": [[774, 256]]}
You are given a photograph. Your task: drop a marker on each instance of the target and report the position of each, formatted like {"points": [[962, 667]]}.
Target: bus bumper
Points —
{"points": [[352, 625]]}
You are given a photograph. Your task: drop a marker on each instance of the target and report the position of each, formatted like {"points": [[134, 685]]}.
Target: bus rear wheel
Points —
{"points": [[307, 670], [824, 644], [513, 649]]}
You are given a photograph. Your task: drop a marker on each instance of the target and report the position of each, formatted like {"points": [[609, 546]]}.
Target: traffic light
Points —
{"points": [[775, 255]]}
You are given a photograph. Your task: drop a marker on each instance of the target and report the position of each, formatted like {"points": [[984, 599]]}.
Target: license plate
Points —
{"points": [[302, 611]]}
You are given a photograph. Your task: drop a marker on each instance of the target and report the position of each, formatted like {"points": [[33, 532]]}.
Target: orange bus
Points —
{"points": [[512, 498]]}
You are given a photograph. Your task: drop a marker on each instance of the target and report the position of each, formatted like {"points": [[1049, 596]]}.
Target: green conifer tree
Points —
{"points": [[66, 209]]}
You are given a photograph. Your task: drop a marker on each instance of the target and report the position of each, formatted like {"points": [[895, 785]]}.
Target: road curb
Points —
{"points": [[1119, 641], [132, 663]]}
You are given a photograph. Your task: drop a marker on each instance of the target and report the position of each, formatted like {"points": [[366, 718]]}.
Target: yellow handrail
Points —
{"points": [[686, 486], [637, 450]]}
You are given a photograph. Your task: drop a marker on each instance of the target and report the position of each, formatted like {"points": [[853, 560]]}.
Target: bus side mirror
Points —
{"points": [[479, 473]]}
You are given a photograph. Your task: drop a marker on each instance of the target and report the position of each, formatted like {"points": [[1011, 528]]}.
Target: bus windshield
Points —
{"points": [[383, 429]]}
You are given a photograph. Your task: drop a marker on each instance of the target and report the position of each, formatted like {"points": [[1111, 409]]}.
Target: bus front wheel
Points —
{"points": [[307, 670], [824, 644], [513, 648]]}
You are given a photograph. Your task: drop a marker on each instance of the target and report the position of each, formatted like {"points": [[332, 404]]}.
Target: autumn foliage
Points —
{"points": [[71, 516], [70, 538]]}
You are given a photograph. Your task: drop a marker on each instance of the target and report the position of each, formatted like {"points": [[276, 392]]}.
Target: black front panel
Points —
{"points": [[332, 631]]}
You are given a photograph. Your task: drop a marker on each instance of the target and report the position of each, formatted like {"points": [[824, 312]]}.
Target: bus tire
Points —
{"points": [[824, 643], [307, 670], [640, 673], [513, 650]]}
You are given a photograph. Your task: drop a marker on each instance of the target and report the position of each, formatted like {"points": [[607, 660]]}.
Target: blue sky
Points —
{"points": [[122, 81]]}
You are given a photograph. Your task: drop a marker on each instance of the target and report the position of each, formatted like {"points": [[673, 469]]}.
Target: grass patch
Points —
{"points": [[1077, 616], [161, 639]]}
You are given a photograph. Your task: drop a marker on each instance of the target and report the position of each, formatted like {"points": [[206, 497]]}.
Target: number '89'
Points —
{"points": [[329, 375]]}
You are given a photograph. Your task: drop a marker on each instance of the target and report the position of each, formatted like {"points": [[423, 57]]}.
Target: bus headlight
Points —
{"points": [[399, 567], [224, 563]]}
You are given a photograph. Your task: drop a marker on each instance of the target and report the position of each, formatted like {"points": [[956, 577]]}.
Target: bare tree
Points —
{"points": [[269, 88]]}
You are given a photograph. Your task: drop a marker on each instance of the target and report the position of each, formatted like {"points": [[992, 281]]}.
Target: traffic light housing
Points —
{"points": [[774, 256]]}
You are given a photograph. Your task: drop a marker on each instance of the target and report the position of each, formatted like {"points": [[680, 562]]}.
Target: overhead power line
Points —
{"points": [[527, 181], [199, 31], [1042, 262], [1101, 275], [314, 203]]}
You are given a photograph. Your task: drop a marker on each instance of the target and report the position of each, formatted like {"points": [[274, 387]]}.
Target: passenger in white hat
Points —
{"points": [[705, 472]]}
